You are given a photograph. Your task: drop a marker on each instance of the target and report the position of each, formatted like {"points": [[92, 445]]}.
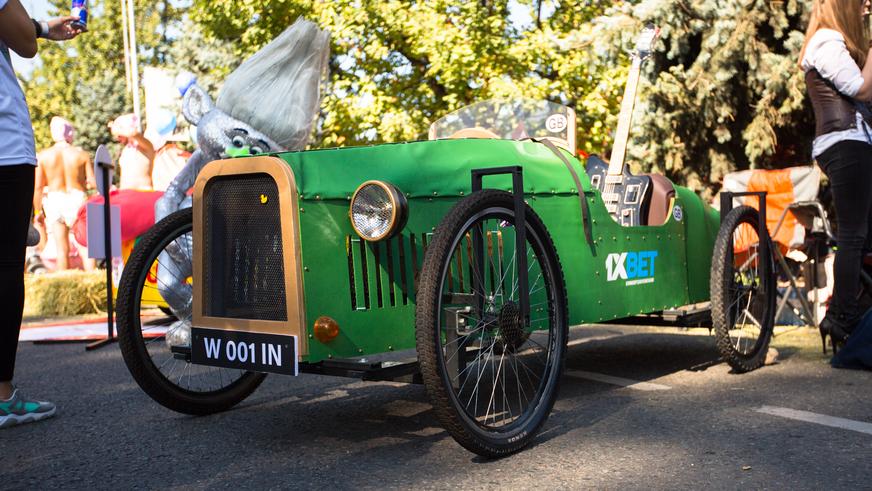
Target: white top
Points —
{"points": [[16, 134], [828, 53]]}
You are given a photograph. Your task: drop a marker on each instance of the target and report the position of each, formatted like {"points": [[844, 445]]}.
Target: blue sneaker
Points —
{"points": [[18, 410]]}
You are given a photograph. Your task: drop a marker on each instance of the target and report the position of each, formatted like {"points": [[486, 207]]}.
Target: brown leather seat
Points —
{"points": [[659, 201]]}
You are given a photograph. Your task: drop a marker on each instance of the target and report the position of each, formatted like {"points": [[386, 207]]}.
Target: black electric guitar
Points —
{"points": [[623, 193]]}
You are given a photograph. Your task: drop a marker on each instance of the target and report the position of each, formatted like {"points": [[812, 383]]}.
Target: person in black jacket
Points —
{"points": [[835, 60]]}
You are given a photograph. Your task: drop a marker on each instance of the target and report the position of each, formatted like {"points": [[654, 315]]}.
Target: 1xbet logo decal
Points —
{"points": [[635, 267]]}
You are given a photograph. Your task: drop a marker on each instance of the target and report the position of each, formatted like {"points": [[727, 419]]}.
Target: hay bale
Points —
{"points": [[65, 293]]}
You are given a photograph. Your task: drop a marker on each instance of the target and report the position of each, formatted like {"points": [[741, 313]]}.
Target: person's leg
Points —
{"points": [[62, 244], [16, 195], [87, 263], [43, 235], [16, 200], [848, 166], [77, 200]]}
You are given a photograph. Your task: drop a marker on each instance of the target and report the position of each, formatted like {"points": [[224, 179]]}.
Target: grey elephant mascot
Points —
{"points": [[267, 105]]}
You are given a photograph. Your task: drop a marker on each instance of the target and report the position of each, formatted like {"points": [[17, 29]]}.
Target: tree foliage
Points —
{"points": [[725, 91], [396, 66]]}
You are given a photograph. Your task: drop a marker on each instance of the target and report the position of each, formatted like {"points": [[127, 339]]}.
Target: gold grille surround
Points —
{"points": [[283, 176]]}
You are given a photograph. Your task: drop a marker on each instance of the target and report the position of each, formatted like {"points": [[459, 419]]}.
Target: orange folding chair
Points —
{"points": [[799, 227]]}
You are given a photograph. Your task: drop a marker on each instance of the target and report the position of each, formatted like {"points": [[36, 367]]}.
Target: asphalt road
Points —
{"points": [[695, 425]]}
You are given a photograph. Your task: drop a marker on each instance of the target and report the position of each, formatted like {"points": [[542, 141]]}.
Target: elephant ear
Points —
{"points": [[196, 104]]}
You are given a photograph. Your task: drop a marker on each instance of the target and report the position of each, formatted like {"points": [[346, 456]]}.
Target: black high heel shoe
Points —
{"points": [[838, 337], [824, 334], [837, 332]]}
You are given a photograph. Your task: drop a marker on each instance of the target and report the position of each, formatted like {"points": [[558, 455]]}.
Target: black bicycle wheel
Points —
{"points": [[491, 376], [156, 348], [743, 290]]}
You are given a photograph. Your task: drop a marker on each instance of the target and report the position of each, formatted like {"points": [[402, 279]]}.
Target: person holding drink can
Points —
{"points": [[19, 33]]}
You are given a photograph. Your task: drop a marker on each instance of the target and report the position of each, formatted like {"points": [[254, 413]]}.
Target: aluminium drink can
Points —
{"points": [[80, 9]]}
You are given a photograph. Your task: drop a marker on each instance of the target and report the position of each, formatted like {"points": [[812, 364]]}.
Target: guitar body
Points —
{"points": [[625, 195]]}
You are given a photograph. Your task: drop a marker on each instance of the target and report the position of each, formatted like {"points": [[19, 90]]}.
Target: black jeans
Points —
{"points": [[16, 201], [848, 165]]}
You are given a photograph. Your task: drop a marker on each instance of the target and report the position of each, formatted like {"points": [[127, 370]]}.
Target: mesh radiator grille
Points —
{"points": [[244, 276]]}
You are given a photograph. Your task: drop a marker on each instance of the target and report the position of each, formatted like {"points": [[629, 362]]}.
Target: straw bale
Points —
{"points": [[65, 293]]}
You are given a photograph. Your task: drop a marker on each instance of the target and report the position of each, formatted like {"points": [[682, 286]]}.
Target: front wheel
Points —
{"points": [[743, 290], [491, 374], [156, 347]]}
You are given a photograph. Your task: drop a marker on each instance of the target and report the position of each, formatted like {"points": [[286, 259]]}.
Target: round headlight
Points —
{"points": [[378, 210]]}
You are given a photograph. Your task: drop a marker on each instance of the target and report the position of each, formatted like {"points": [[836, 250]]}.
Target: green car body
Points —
{"points": [[368, 288]]}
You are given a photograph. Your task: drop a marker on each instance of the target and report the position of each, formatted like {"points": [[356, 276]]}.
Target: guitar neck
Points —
{"points": [[619, 149]]}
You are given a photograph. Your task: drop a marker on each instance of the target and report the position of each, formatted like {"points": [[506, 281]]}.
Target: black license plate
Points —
{"points": [[251, 351]]}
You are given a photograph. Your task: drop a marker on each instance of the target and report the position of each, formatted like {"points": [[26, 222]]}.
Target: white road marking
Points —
{"points": [[821, 419], [71, 332], [623, 382]]}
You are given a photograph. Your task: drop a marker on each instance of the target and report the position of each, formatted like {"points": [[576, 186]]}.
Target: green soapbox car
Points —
{"points": [[459, 262]]}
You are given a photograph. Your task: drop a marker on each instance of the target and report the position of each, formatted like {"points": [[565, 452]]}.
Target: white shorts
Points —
{"points": [[63, 206]]}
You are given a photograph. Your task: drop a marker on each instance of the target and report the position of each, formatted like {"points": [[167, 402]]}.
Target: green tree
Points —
{"points": [[396, 65], [724, 90], [207, 57]]}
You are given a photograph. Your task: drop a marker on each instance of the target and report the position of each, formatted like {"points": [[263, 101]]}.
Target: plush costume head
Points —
{"points": [[287, 74], [61, 130], [269, 103], [218, 134]]}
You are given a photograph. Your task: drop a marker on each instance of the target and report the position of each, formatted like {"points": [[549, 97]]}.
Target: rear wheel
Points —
{"points": [[743, 290], [491, 375], [156, 347]]}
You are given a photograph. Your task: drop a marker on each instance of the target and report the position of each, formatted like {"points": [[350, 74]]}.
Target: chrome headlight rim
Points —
{"points": [[399, 210]]}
